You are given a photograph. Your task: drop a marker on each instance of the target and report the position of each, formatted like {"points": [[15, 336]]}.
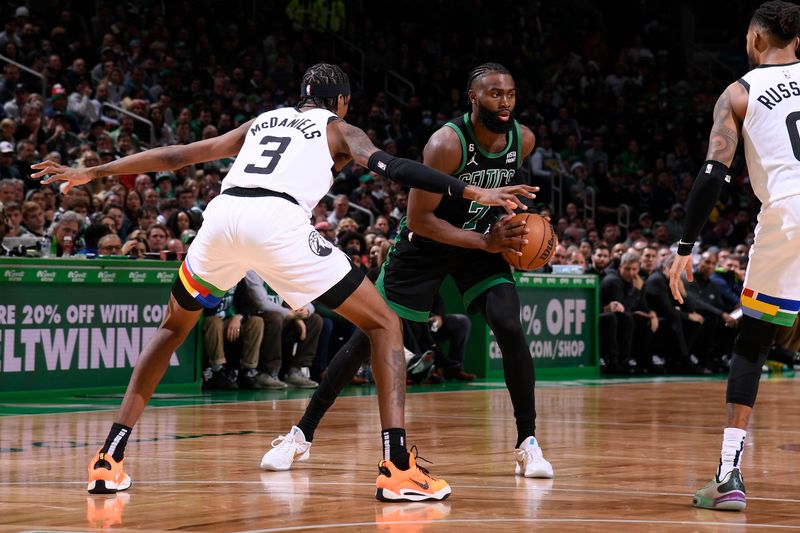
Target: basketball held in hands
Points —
{"points": [[541, 244]]}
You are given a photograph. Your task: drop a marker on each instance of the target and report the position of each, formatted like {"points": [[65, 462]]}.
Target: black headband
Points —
{"points": [[324, 90]]}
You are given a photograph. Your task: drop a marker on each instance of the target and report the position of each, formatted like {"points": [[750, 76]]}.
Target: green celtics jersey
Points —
{"points": [[481, 169]]}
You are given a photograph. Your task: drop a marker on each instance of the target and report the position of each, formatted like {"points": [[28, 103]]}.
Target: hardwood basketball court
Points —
{"points": [[627, 456]]}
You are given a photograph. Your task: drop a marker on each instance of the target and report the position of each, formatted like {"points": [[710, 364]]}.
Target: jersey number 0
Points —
{"points": [[274, 155]]}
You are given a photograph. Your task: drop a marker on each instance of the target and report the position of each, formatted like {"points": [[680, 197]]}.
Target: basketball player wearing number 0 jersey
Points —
{"points": [[763, 108], [261, 222]]}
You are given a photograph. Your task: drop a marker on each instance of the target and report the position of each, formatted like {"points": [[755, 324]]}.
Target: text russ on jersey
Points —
{"points": [[297, 123], [774, 95]]}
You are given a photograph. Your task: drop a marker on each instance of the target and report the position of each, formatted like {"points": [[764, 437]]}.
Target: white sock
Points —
{"points": [[732, 448]]}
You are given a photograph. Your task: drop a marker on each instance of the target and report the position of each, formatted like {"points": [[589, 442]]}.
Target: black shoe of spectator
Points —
{"points": [[219, 380], [419, 366], [692, 368], [247, 380], [718, 366], [628, 367], [435, 377], [457, 374], [657, 365]]}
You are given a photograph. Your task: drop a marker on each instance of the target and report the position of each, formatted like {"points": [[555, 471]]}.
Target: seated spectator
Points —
{"points": [[173, 250], [109, 244], [13, 214], [576, 257], [347, 224], [600, 260], [729, 278], [225, 323], [33, 218], [91, 237], [69, 226], [290, 335], [156, 238], [116, 212], [649, 261], [147, 217], [704, 295], [326, 230], [629, 334], [679, 325], [454, 329], [180, 221], [134, 248], [341, 210], [7, 168], [164, 185]]}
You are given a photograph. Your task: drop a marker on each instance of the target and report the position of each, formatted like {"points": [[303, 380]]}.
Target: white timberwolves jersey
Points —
{"points": [[286, 151], [771, 131]]}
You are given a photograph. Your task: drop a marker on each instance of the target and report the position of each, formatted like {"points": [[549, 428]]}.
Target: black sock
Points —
{"points": [[522, 435], [307, 427], [394, 446], [116, 441]]}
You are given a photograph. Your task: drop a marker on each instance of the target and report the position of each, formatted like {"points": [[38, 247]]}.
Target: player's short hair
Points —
{"points": [[780, 19], [482, 70], [322, 74]]}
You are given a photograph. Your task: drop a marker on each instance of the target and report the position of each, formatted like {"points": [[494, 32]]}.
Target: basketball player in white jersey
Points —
{"points": [[763, 107], [261, 222]]}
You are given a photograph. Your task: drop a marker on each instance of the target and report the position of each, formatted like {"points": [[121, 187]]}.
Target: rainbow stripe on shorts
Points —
{"points": [[769, 308], [201, 290]]}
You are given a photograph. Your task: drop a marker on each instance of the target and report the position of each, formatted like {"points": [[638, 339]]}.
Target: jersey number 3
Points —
{"points": [[274, 154]]}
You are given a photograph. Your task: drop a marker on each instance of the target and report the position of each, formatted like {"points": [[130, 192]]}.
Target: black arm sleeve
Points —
{"points": [[702, 198], [415, 175]]}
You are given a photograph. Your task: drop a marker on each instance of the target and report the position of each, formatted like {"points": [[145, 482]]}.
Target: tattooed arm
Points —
{"points": [[729, 113], [728, 116]]}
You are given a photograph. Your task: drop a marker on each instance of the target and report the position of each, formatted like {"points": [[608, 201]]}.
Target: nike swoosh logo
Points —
{"points": [[298, 454], [423, 486]]}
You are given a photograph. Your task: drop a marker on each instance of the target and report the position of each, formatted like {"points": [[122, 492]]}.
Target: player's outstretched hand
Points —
{"points": [[506, 236], [56, 172], [682, 264], [506, 197]]}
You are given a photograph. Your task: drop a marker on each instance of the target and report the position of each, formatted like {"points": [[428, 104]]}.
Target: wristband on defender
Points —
{"points": [[685, 248]]}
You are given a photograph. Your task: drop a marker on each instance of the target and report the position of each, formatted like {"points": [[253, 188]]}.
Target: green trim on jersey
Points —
{"points": [[519, 144], [463, 147], [476, 290], [401, 310], [483, 152]]}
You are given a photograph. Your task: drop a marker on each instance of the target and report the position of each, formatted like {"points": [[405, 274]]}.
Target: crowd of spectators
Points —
{"points": [[621, 120]]}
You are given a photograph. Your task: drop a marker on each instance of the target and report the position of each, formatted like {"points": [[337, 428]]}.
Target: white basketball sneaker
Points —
{"points": [[531, 461], [286, 449]]}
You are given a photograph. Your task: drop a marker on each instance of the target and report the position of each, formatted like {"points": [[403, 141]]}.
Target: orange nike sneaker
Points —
{"points": [[413, 485], [106, 475]]}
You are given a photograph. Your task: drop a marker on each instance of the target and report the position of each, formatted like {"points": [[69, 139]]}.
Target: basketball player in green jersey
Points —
{"points": [[441, 237]]}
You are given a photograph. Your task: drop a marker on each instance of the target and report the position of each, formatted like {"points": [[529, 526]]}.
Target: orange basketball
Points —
{"points": [[542, 243]]}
